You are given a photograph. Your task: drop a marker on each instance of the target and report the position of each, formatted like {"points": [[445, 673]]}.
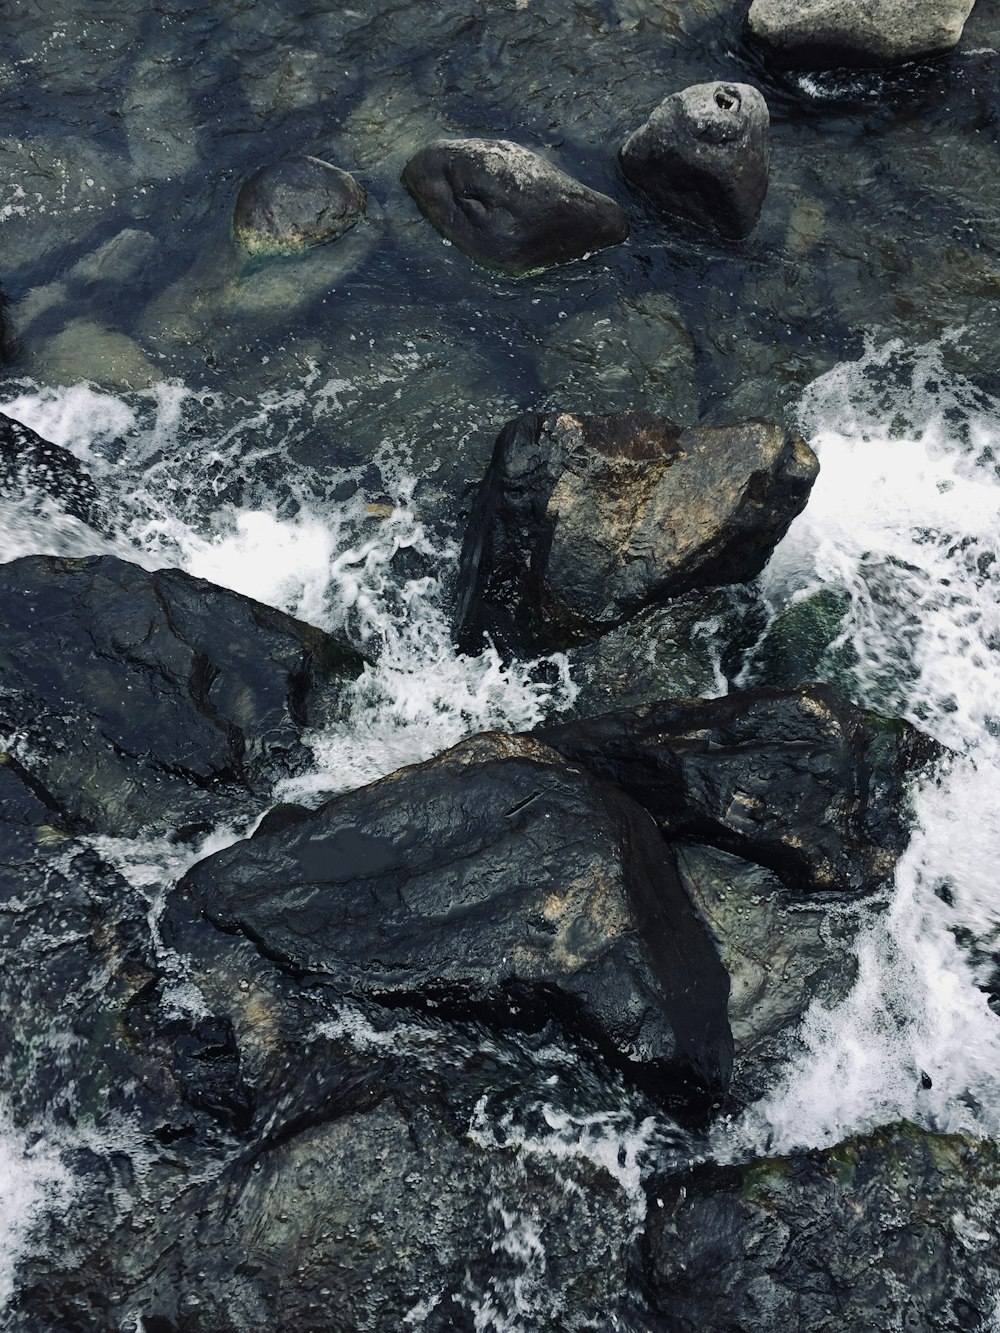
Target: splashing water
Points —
{"points": [[330, 561], [905, 519]]}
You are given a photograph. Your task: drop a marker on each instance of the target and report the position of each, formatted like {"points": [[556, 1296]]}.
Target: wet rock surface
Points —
{"points": [[32, 466], [890, 1230], [295, 203], [582, 521], [817, 34], [495, 880], [798, 781], [507, 207], [704, 154], [155, 700], [783, 953]]}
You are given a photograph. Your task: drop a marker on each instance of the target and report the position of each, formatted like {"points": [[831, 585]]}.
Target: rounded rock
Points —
{"points": [[704, 154], [292, 204], [820, 34], [507, 207]]}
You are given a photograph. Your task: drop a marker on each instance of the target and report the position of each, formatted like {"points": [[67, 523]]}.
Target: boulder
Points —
{"points": [[297, 202], [507, 207], [73, 954], [582, 521], [703, 154], [156, 701], [30, 466], [798, 781], [783, 953], [893, 1231], [820, 34], [496, 881], [681, 649]]}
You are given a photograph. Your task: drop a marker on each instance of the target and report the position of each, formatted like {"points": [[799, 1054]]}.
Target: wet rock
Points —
{"points": [[156, 700], [71, 959], [496, 881], [893, 1231], [582, 521], [819, 34], [31, 465], [507, 207], [798, 781], [782, 953], [704, 154], [679, 650], [295, 203]]}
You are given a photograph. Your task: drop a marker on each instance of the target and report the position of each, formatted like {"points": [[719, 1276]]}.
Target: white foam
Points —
{"points": [[33, 1179], [906, 518], [331, 563]]}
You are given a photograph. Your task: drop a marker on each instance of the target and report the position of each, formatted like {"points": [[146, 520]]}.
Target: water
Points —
{"points": [[903, 521], [309, 433]]}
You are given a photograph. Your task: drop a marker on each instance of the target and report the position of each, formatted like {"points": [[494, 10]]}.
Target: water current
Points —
{"points": [[902, 524]]}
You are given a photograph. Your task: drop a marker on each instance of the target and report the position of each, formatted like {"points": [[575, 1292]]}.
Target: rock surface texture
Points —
{"points": [[30, 465], [582, 521], [494, 880], [892, 1232], [295, 203], [798, 781], [507, 207], [155, 700], [820, 34], [704, 154]]}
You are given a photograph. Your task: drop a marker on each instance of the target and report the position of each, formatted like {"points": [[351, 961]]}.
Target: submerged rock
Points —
{"points": [[704, 154], [799, 781], [30, 465], [507, 207], [890, 1232], [295, 203], [582, 521], [818, 34], [156, 700], [498, 881]]}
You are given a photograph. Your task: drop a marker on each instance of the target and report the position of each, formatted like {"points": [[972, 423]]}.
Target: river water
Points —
{"points": [[309, 433]]}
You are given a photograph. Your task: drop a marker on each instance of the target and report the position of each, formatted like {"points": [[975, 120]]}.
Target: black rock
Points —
{"points": [[820, 34], [297, 202], [704, 154], [30, 465], [507, 207], [892, 1231], [798, 781], [494, 881], [582, 521], [156, 700]]}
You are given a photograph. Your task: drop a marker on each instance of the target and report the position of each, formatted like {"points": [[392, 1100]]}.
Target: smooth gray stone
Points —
{"points": [[818, 34], [704, 154], [508, 208]]}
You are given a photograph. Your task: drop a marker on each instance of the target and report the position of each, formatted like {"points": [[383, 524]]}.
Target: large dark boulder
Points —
{"points": [[297, 202], [32, 466], [892, 1232], [798, 781], [582, 521], [156, 700], [704, 154], [495, 881], [820, 34], [507, 207]]}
